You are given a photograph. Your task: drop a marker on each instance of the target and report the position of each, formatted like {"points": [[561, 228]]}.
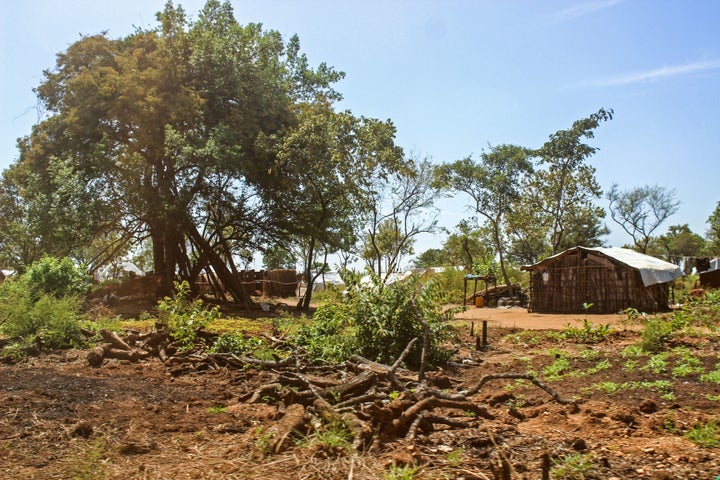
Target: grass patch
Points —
{"points": [[706, 435]]}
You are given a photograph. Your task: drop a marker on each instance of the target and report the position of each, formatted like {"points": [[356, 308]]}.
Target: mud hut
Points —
{"points": [[611, 279]]}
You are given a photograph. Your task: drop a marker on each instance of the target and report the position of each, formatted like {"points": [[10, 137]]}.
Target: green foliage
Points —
{"points": [[56, 277], [401, 472], [687, 363], [330, 336], [714, 230], [713, 376], [184, 316], [388, 317], [657, 363], [335, 436], [573, 467], [91, 463], [588, 333], [706, 435], [236, 343], [378, 321], [41, 306], [656, 334], [493, 185], [661, 386], [557, 369]]}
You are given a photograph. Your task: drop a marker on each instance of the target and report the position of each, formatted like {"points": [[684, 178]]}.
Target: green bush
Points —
{"points": [[42, 307], [184, 316], [330, 336], [378, 321], [656, 334], [387, 318], [56, 277]]}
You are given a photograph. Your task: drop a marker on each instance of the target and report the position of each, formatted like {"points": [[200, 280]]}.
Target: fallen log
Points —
{"points": [[293, 420]]}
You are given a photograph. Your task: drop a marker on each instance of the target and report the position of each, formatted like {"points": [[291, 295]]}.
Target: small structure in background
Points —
{"points": [[608, 279], [708, 271]]}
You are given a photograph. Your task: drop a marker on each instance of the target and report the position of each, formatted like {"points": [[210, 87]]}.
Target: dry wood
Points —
{"points": [[95, 357], [114, 339], [519, 376], [294, 419]]}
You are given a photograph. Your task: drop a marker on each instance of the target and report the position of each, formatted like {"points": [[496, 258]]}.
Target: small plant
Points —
{"points": [[589, 354], [557, 369], [334, 437], [262, 441], [687, 364], [90, 463], [454, 458], [656, 334], [633, 351], [610, 387], [706, 435], [657, 364], [573, 467], [669, 424], [603, 365], [404, 472], [630, 365], [215, 409], [588, 333], [236, 343], [185, 317], [713, 376]]}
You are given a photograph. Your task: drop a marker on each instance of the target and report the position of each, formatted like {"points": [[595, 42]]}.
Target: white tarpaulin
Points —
{"points": [[652, 270]]}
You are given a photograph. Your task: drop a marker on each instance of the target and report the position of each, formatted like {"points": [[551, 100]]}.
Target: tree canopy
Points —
{"points": [[176, 134]]}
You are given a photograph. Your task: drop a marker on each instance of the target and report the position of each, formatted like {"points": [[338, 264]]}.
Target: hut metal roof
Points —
{"points": [[652, 270]]}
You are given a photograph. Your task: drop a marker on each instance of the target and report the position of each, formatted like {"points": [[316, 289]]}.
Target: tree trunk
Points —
{"points": [[304, 303], [231, 283]]}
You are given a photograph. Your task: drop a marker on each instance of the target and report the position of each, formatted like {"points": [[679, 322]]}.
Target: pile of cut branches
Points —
{"points": [[377, 402]]}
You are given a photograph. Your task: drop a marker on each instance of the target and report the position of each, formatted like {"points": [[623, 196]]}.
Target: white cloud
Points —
{"points": [[582, 9], [656, 74]]}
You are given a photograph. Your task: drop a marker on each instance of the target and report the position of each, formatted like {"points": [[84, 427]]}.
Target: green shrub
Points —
{"points": [[378, 321], [706, 435], [588, 333], [42, 307], [330, 336], [236, 343], [184, 316], [656, 334], [56, 277], [388, 317]]}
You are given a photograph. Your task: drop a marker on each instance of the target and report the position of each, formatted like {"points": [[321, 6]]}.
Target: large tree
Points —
{"points": [[641, 210], [679, 241], [163, 123], [563, 191], [493, 185], [322, 175], [400, 208]]}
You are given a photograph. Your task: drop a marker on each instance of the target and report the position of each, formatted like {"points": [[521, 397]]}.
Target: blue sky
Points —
{"points": [[457, 75]]}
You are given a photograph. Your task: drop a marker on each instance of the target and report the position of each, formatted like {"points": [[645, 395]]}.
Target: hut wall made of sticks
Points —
{"points": [[571, 283], [280, 283]]}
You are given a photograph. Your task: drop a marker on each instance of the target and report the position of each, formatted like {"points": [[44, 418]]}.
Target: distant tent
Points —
{"points": [[327, 279], [611, 279], [119, 270]]}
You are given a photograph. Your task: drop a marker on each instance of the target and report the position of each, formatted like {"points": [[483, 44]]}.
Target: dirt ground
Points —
{"points": [[517, 317], [62, 419]]}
